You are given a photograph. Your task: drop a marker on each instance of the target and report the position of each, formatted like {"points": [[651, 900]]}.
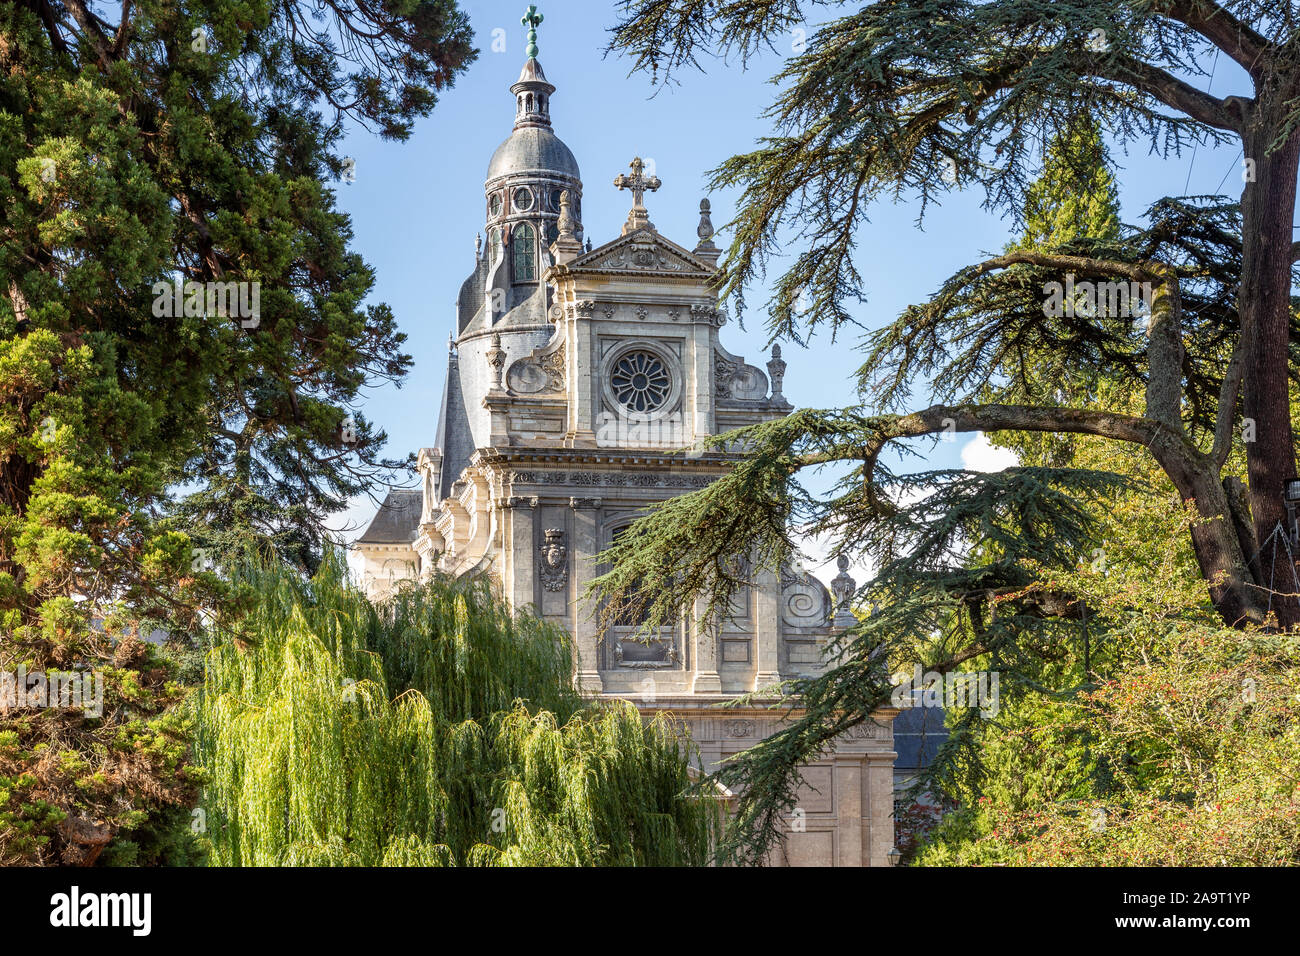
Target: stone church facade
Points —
{"points": [[576, 374]]}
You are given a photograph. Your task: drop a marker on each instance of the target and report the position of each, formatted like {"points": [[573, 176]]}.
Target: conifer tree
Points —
{"points": [[183, 340], [921, 98], [892, 99], [1033, 755]]}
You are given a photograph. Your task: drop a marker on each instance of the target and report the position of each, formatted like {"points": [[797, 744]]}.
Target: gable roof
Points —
{"points": [[398, 519], [643, 252]]}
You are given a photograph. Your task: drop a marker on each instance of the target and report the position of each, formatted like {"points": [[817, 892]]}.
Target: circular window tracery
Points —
{"points": [[640, 382], [494, 205], [523, 199]]}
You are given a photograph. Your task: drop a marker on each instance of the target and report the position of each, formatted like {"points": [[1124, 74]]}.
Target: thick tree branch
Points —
{"points": [[1031, 418], [1216, 24], [1227, 410], [90, 27], [1081, 265], [1224, 114]]}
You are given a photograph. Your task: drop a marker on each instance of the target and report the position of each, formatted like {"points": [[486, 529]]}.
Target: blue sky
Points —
{"points": [[416, 206]]}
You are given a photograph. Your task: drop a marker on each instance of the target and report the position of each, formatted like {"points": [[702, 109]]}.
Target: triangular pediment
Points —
{"points": [[643, 252]]}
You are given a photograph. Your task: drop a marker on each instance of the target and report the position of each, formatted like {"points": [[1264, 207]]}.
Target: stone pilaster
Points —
{"points": [[850, 798], [583, 362], [767, 628], [707, 679], [700, 391], [520, 516], [586, 544]]}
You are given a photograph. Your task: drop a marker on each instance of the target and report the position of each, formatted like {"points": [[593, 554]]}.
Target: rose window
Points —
{"points": [[640, 382]]}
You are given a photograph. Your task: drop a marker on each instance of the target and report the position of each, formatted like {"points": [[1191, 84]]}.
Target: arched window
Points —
{"points": [[523, 243], [494, 245]]}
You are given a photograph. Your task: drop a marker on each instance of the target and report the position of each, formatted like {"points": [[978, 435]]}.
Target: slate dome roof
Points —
{"points": [[533, 149]]}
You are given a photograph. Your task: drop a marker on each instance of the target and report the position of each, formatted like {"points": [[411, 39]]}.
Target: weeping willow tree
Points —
{"points": [[434, 730]]}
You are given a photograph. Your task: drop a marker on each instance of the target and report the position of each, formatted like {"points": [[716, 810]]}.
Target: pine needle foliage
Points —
{"points": [[932, 603], [434, 730], [914, 100]]}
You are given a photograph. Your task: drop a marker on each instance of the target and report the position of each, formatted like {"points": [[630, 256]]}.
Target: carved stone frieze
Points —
{"points": [[739, 728], [640, 257], [604, 479]]}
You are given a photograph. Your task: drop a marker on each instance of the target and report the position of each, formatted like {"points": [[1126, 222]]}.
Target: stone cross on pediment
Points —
{"points": [[640, 184]]}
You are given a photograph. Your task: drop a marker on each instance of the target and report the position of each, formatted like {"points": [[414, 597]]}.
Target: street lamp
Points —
{"points": [[1291, 498], [894, 856]]}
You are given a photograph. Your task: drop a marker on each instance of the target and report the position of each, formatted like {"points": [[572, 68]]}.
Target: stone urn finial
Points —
{"points": [[496, 357], [843, 588], [706, 249], [567, 246], [568, 228], [776, 372]]}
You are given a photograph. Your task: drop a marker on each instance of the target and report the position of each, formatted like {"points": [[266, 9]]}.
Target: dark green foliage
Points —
{"points": [[195, 142]]}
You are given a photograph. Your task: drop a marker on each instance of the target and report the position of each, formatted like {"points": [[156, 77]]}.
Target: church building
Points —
{"points": [[577, 373]]}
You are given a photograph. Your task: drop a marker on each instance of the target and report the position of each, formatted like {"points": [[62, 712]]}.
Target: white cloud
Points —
{"points": [[979, 454]]}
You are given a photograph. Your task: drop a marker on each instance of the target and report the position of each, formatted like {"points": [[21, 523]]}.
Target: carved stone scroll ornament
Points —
{"points": [[534, 374], [724, 371], [805, 601], [708, 315], [554, 566]]}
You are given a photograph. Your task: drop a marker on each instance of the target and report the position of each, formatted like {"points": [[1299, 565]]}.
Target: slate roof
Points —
{"points": [[918, 734], [453, 437], [533, 150], [398, 519]]}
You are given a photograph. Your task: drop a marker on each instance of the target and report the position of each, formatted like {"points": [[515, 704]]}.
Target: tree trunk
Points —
{"points": [[1264, 303], [1215, 536]]}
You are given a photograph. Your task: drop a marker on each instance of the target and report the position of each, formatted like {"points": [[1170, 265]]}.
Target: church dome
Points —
{"points": [[533, 149]]}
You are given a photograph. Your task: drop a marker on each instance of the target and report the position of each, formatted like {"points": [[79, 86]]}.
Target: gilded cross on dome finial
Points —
{"points": [[639, 217], [531, 19]]}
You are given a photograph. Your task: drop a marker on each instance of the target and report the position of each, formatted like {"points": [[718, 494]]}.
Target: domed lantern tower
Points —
{"points": [[525, 179], [502, 310]]}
